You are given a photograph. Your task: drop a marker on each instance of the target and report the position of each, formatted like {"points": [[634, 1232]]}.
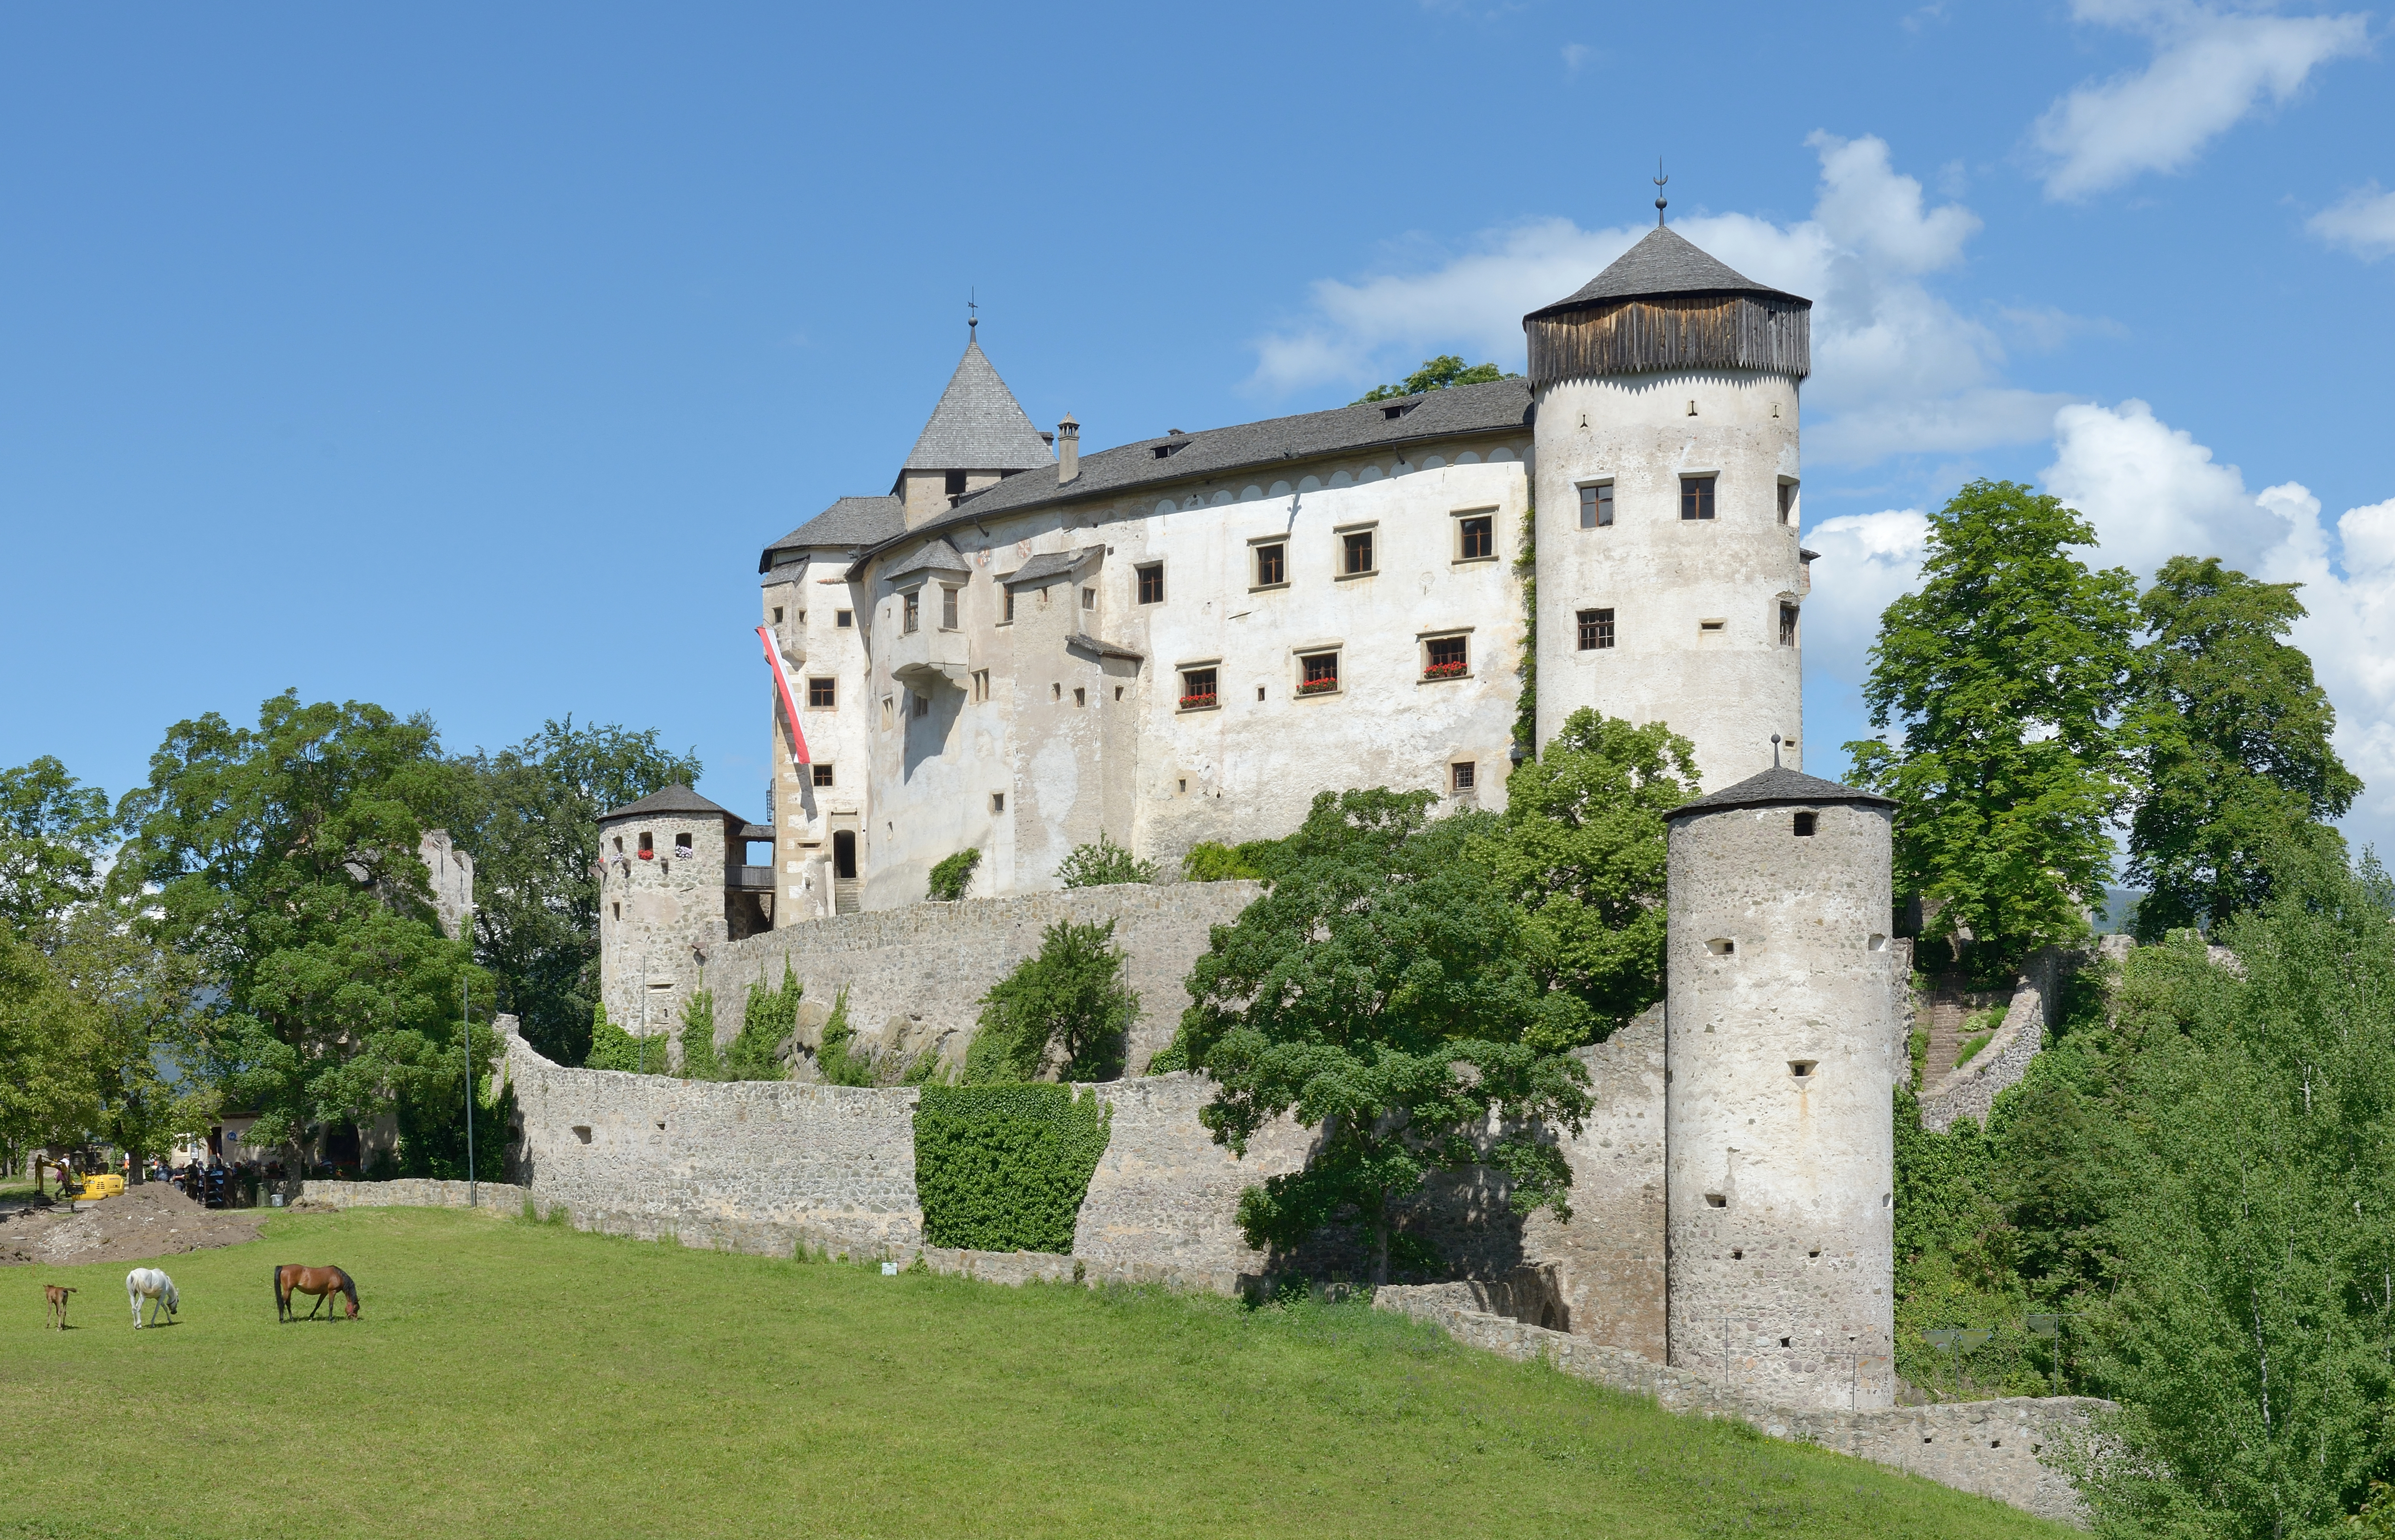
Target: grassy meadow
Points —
{"points": [[507, 1378]]}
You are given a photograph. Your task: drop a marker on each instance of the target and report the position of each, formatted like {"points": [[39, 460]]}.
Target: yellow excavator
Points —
{"points": [[97, 1185]]}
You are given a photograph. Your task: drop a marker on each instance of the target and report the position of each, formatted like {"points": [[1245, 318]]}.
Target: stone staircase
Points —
{"points": [[1942, 1010]]}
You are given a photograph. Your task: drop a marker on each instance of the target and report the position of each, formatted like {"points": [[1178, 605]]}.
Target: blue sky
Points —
{"points": [[462, 358]]}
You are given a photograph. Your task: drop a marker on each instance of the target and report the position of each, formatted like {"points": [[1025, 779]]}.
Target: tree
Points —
{"points": [[1383, 992], [48, 1045], [1437, 374], [1581, 851], [52, 831], [529, 815], [284, 858], [1102, 865], [2232, 746], [1070, 998], [2005, 672], [150, 1035]]}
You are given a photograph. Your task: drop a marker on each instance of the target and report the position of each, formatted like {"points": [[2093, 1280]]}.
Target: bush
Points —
{"points": [[698, 1060], [837, 1065], [951, 877], [1005, 1167], [614, 1048], [768, 1016], [1210, 861], [1070, 994], [1103, 865]]}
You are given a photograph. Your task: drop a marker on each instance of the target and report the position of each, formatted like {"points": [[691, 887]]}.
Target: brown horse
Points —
{"points": [[324, 1282], [57, 1300]]}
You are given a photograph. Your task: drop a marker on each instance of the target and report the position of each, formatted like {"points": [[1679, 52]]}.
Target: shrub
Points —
{"points": [[1070, 994], [837, 1065], [951, 877], [614, 1048], [1005, 1167], [1103, 865], [1210, 861], [698, 1060]]}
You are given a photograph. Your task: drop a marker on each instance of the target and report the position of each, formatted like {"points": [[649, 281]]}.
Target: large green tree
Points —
{"points": [[53, 830], [2005, 674], [285, 857], [1383, 992], [149, 1037], [528, 815], [49, 1043], [2232, 748], [1581, 851]]}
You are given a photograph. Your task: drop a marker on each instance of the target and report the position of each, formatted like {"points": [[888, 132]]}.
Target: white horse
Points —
{"points": [[150, 1284]]}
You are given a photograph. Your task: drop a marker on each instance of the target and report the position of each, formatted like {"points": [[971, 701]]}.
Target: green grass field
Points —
{"points": [[516, 1379]]}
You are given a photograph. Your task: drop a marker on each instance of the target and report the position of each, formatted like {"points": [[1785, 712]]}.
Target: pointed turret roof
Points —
{"points": [[1664, 261], [676, 798], [1777, 787], [978, 424]]}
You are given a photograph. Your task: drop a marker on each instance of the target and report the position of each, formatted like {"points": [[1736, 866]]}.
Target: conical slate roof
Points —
{"points": [[673, 798], [1777, 787], [978, 424], [1664, 262]]}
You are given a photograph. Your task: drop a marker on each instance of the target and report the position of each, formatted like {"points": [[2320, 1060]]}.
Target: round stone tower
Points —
{"points": [[673, 885], [1783, 1041], [1671, 586]]}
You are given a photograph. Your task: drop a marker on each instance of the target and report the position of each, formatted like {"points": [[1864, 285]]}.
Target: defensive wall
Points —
{"points": [[1971, 1090], [915, 976]]}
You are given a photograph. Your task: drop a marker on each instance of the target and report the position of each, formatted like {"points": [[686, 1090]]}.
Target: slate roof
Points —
{"points": [[1664, 261], [1254, 447], [673, 798], [1048, 563], [1777, 787], [936, 555], [978, 424], [852, 523]]}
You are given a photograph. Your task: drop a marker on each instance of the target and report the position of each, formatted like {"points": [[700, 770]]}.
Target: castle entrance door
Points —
{"points": [[844, 885]]}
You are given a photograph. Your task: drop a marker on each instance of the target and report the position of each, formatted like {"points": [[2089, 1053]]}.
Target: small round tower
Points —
{"points": [[1671, 586], [1783, 1044], [672, 883]]}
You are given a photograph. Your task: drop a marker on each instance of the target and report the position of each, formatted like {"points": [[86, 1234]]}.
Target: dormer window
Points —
{"points": [[1396, 409], [955, 488], [1171, 446]]}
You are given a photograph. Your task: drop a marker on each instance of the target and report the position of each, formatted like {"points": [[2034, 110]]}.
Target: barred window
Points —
{"points": [[1595, 629]]}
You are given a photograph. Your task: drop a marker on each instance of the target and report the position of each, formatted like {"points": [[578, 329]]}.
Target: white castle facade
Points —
{"points": [[1018, 648]]}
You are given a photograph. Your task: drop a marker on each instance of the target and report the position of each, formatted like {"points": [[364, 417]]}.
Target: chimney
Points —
{"points": [[1068, 449]]}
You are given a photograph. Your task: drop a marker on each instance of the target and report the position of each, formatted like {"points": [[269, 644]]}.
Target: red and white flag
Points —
{"points": [[790, 702]]}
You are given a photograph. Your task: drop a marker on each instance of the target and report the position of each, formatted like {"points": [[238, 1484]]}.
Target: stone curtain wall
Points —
{"points": [[1971, 1090], [1165, 1194], [746, 1165], [502, 1197], [916, 975], [1994, 1448]]}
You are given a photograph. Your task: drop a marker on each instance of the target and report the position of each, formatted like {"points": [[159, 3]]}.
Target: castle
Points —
{"points": [[1020, 649]]}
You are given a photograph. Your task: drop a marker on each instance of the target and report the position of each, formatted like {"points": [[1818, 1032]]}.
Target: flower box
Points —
{"points": [[1446, 671], [1197, 703], [1318, 687]]}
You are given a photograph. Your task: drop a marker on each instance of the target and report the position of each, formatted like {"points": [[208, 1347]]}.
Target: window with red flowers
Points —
{"points": [[1447, 658]]}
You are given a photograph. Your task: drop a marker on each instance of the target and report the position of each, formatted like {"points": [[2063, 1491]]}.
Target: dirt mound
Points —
{"points": [[142, 1222]]}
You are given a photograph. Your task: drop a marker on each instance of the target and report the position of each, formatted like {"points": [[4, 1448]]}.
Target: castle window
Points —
{"points": [[1008, 619], [888, 711], [1466, 774], [997, 801], [1786, 625], [1197, 690], [619, 844], [1787, 502], [1722, 947], [1802, 1069], [1356, 553], [922, 703], [648, 846], [955, 488], [1447, 658], [1712, 628], [1318, 673], [981, 684], [1272, 564], [947, 607], [1804, 826], [844, 620], [822, 695], [1696, 496], [1056, 692], [777, 615], [822, 773], [911, 611], [1151, 583], [1595, 629], [1080, 697], [682, 844], [618, 908], [1089, 598], [1476, 537], [1597, 506]]}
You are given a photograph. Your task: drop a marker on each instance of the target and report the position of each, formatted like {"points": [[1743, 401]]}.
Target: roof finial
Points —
{"points": [[1775, 751], [973, 310], [1660, 181]]}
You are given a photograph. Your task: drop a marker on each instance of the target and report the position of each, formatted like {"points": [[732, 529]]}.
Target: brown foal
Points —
{"points": [[58, 1298]]}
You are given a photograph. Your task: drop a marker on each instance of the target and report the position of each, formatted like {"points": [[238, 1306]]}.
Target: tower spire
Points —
{"points": [[1660, 181], [973, 313]]}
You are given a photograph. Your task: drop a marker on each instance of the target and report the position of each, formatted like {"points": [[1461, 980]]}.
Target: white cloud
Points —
{"points": [[1867, 561], [2153, 493], [1896, 369], [2211, 68], [1575, 55], [2363, 223]]}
